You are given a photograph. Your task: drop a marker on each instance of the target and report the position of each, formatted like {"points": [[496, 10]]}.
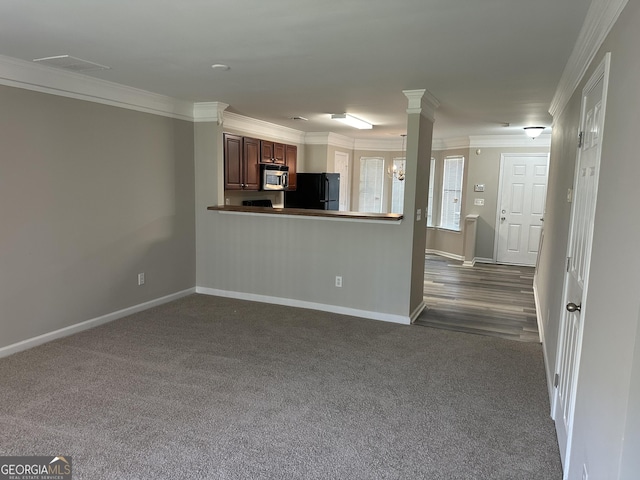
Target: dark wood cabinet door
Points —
{"points": [[278, 153], [291, 158], [267, 151], [233, 162], [251, 154]]}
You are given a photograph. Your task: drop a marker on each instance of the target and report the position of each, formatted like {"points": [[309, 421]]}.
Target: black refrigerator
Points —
{"points": [[320, 191]]}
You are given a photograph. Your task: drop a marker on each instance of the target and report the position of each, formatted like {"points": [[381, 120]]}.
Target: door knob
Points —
{"points": [[572, 307]]}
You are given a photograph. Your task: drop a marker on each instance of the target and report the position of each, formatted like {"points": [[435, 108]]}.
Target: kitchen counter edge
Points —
{"points": [[303, 212]]}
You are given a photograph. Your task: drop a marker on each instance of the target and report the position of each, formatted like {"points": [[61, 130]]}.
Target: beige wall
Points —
{"points": [[295, 260], [90, 196], [479, 168], [605, 436]]}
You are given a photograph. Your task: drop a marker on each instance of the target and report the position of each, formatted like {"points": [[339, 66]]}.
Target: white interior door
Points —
{"points": [[579, 255], [523, 191], [341, 166]]}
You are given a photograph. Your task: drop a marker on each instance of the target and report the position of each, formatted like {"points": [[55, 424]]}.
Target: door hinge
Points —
{"points": [[556, 380], [580, 137], [568, 263]]}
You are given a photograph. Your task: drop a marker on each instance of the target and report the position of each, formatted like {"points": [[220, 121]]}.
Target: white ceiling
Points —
{"points": [[488, 62]]}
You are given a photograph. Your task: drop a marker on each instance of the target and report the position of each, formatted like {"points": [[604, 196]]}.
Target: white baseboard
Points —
{"points": [[418, 310], [452, 256], [289, 302], [483, 260], [87, 324], [548, 373]]}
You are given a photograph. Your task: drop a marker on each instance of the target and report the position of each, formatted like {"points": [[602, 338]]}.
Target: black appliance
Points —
{"points": [[320, 191], [257, 203]]}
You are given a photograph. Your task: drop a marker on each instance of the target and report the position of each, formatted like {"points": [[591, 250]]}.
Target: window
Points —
{"points": [[371, 183], [432, 176], [397, 186], [451, 193]]}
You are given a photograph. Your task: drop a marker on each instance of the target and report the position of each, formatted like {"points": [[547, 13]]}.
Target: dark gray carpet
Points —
{"points": [[208, 387]]}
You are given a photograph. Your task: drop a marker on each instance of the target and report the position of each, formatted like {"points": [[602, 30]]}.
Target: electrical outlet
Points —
{"points": [[141, 278], [338, 281]]}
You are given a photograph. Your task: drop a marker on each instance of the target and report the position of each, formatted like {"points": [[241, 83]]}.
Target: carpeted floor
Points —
{"points": [[215, 388]]}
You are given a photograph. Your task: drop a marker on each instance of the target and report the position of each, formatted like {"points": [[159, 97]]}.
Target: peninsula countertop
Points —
{"points": [[388, 217]]}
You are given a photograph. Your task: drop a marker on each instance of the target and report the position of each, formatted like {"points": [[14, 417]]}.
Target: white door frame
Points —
{"points": [[601, 73], [345, 183], [504, 156]]}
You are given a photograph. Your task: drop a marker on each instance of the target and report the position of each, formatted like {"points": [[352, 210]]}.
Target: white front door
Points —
{"points": [[341, 166], [523, 190], [579, 256]]}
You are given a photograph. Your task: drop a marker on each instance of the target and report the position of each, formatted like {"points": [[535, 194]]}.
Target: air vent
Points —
{"points": [[67, 62]]}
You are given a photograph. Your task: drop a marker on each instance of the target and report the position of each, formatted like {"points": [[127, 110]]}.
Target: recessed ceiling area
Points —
{"points": [[489, 63]]}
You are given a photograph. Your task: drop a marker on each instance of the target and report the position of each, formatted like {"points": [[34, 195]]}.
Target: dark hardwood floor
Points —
{"points": [[495, 300]]}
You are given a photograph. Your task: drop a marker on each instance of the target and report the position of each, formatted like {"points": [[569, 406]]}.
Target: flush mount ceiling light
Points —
{"points": [[351, 121], [533, 132], [221, 67]]}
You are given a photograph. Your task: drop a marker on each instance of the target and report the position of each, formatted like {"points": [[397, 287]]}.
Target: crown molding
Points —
{"points": [[449, 143], [261, 128], [422, 101], [329, 138], [601, 17], [54, 81], [209, 112], [512, 141], [380, 144]]}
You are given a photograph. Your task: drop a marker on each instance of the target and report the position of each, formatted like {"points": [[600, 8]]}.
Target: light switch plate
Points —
{"points": [[478, 187], [479, 202], [418, 214]]}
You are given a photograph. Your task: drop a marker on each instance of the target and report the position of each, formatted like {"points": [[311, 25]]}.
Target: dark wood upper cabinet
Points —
{"points": [[267, 151], [272, 152], [241, 162], [278, 153], [291, 159], [251, 150], [233, 175]]}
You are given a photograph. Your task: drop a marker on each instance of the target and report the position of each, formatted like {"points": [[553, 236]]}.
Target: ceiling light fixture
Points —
{"points": [[351, 121], [221, 67], [533, 132], [398, 170]]}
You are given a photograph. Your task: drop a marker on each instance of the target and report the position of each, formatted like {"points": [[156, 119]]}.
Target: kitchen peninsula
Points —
{"points": [[391, 217]]}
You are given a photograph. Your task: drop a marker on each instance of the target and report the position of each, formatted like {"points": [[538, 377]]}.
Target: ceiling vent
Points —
{"points": [[67, 62]]}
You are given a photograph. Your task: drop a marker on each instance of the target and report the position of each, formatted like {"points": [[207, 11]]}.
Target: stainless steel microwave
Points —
{"points": [[275, 177]]}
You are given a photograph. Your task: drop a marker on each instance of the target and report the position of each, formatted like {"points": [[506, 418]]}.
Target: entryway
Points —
{"points": [[521, 198], [486, 299]]}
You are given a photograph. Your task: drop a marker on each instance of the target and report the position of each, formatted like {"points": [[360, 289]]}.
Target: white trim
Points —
{"points": [[545, 356], [600, 73], [513, 141], [450, 143], [209, 112], [417, 311], [469, 263], [261, 128], [423, 102], [496, 224], [490, 141], [329, 138], [379, 144], [94, 322], [452, 256], [290, 302], [484, 260], [55, 81], [601, 17]]}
